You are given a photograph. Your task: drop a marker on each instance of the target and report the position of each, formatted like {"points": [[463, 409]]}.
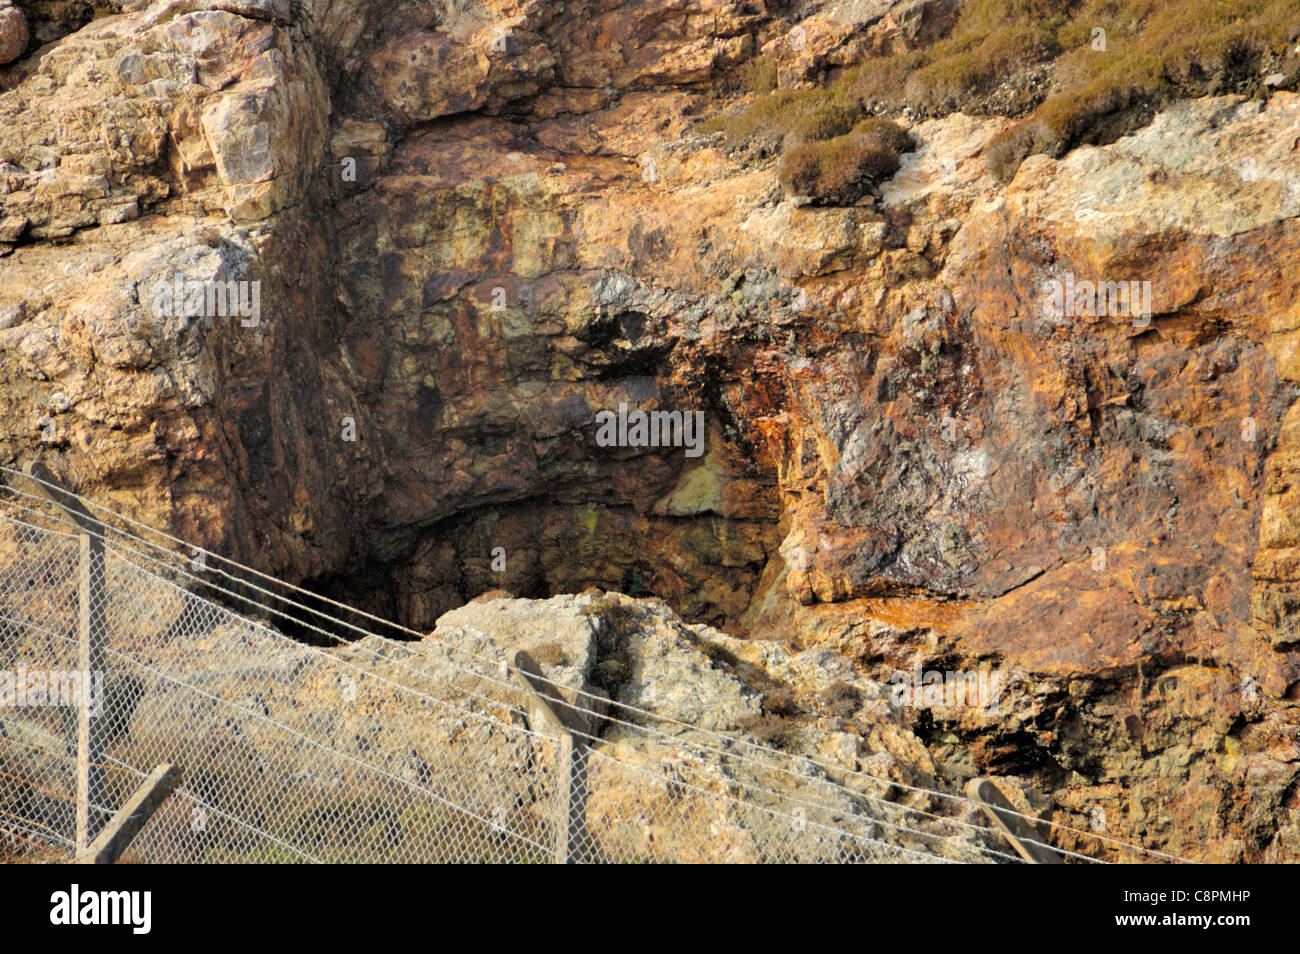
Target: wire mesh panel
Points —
{"points": [[38, 692], [375, 750], [295, 753]]}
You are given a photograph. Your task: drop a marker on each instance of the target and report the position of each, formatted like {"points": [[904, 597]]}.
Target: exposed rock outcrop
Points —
{"points": [[13, 33], [474, 228], [693, 748]]}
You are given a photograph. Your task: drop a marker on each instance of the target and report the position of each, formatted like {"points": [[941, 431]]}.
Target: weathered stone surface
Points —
{"points": [[13, 33], [653, 777], [477, 228], [679, 688]]}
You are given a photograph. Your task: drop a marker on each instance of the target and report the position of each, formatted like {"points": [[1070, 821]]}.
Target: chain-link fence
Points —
{"points": [[373, 749], [38, 612], [288, 752]]}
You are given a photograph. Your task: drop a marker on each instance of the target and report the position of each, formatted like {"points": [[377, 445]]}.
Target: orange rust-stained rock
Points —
{"points": [[474, 232]]}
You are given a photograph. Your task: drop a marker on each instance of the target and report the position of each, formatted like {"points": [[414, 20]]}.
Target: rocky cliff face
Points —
{"points": [[471, 228]]}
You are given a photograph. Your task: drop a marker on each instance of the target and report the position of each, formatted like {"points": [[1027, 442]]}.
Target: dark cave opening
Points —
{"points": [[705, 567]]}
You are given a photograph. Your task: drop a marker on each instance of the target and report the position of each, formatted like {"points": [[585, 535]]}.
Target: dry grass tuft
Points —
{"points": [[1154, 51]]}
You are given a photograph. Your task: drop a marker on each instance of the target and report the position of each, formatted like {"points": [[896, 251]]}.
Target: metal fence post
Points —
{"points": [[1028, 843], [90, 644], [564, 797], [548, 709], [116, 837], [90, 660]]}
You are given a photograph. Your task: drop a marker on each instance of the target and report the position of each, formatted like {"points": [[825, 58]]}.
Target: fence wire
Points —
{"points": [[375, 750]]}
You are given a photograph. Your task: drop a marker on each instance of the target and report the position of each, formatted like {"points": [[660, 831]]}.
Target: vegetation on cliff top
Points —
{"points": [[1103, 67]]}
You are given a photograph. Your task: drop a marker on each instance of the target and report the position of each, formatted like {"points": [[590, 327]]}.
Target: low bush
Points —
{"points": [[822, 122], [841, 700], [772, 117], [759, 75], [773, 731], [842, 170], [885, 134], [1009, 149]]}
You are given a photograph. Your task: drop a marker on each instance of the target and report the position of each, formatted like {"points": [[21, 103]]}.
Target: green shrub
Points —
{"points": [[885, 134], [879, 80], [991, 39], [842, 170], [772, 117], [824, 121], [759, 75]]}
